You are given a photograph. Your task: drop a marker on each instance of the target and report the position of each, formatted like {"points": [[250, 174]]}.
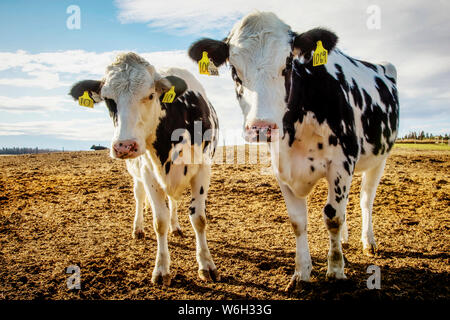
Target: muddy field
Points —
{"points": [[64, 209]]}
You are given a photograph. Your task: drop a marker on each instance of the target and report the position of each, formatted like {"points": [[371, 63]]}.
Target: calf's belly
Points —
{"points": [[301, 173]]}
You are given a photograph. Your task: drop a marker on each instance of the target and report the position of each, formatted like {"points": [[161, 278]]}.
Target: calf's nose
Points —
{"points": [[125, 148]]}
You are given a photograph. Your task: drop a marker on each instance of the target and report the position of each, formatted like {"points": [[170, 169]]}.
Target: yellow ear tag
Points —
{"points": [[169, 96], [203, 64], [85, 100], [320, 55]]}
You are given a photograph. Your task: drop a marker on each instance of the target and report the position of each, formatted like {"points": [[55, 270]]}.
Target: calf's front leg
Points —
{"points": [[161, 221], [298, 215]]}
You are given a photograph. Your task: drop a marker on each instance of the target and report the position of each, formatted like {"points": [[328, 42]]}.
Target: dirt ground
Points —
{"points": [[64, 209]]}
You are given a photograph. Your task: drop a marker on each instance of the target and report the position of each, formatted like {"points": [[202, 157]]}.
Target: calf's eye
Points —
{"points": [[151, 96]]}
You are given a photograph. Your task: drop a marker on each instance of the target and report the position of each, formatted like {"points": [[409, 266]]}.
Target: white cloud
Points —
{"points": [[39, 79], [70, 61], [33, 104], [184, 16], [77, 129]]}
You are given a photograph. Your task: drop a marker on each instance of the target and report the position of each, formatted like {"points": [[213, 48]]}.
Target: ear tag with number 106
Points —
{"points": [[320, 55], [85, 100], [169, 96]]}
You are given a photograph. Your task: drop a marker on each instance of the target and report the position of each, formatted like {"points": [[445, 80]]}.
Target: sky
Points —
{"points": [[41, 56]]}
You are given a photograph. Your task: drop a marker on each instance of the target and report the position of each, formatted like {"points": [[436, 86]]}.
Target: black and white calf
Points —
{"points": [[158, 141], [326, 121]]}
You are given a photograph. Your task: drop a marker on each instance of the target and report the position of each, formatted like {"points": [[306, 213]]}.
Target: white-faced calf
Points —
{"points": [[325, 121], [157, 141]]}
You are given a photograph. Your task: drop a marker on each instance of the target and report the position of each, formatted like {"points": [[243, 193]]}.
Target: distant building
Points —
{"points": [[99, 147]]}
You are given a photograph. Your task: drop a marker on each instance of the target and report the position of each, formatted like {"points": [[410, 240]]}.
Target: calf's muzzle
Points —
{"points": [[125, 149]]}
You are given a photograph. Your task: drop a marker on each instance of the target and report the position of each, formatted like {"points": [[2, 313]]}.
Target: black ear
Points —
{"points": [[92, 86], [180, 85], [163, 85], [307, 41], [218, 51]]}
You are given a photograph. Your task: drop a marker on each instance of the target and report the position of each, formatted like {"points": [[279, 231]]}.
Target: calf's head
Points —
{"points": [[260, 49], [131, 89]]}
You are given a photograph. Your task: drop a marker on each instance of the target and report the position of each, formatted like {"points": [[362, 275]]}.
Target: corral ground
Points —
{"points": [[77, 208]]}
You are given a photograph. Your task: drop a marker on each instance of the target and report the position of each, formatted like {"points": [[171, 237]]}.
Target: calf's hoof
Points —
{"points": [[335, 275], [177, 232], [344, 240], [296, 281], [158, 278], [370, 250], [211, 275], [138, 234]]}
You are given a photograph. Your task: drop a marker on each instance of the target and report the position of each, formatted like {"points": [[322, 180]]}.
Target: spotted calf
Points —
{"points": [[158, 141], [326, 121]]}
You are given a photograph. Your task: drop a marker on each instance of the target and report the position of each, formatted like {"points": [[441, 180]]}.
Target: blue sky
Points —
{"points": [[40, 57], [39, 26]]}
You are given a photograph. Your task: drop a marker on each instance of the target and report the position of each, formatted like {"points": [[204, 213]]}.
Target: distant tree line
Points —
{"points": [[16, 150], [424, 136]]}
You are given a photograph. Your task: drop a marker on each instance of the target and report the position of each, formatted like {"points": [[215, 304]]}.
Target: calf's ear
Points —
{"points": [[306, 42], [93, 87], [164, 84], [218, 51]]}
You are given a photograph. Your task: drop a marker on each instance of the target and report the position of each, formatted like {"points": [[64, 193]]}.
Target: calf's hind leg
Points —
{"points": [[370, 181], [344, 234], [207, 270], [175, 228], [334, 218]]}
